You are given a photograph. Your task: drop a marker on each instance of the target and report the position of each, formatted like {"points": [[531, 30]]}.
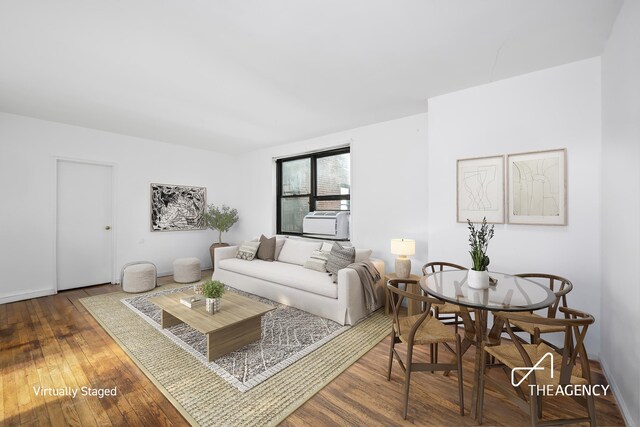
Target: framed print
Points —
{"points": [[480, 189], [537, 187], [177, 207]]}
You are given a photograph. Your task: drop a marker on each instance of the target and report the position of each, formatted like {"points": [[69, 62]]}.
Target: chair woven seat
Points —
{"points": [[530, 327], [431, 331], [509, 355], [448, 308]]}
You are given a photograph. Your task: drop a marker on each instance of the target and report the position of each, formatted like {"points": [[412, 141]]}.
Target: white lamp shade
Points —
{"points": [[405, 247]]}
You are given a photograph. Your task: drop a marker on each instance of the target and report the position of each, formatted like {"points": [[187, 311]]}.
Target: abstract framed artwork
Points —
{"points": [[480, 189], [537, 187], [177, 207]]}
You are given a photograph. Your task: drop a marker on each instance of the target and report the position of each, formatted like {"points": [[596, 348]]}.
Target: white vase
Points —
{"points": [[478, 279], [212, 305]]}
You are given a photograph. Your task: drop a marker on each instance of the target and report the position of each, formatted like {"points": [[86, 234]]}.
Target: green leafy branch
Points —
{"points": [[479, 242]]}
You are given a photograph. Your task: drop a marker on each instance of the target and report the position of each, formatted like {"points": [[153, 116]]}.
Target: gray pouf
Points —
{"points": [[138, 277], [186, 270]]}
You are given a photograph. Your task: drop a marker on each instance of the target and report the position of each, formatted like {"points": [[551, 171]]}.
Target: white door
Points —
{"points": [[84, 255]]}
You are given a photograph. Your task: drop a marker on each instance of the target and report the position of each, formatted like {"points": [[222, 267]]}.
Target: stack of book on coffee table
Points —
{"points": [[192, 301]]}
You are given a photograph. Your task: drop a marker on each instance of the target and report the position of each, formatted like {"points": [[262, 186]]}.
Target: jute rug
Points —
{"points": [[288, 334], [205, 398]]}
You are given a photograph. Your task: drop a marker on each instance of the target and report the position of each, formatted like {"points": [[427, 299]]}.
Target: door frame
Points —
{"points": [[56, 162]]}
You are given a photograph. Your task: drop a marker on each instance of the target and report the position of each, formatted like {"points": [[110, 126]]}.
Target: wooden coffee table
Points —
{"points": [[237, 324]]}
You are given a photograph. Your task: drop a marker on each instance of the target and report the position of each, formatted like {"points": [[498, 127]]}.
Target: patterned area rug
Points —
{"points": [[204, 397], [288, 334]]}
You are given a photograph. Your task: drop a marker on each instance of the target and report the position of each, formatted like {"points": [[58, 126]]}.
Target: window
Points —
{"points": [[312, 182]]}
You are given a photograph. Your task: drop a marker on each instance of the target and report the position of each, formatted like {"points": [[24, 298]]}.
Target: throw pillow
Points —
{"points": [[326, 247], [362, 254], [297, 251], [339, 258], [248, 250], [279, 244], [267, 249], [317, 261]]}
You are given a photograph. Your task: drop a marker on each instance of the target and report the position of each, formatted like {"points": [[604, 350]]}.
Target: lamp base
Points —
{"points": [[403, 267]]}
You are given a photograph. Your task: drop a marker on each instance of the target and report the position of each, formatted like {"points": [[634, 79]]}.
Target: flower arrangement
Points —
{"points": [[479, 242]]}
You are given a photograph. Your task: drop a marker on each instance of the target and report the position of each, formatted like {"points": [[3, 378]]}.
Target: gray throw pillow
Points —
{"points": [[339, 258], [267, 249]]}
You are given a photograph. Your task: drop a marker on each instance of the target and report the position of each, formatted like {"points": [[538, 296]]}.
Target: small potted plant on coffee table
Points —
{"points": [[478, 276], [212, 291]]}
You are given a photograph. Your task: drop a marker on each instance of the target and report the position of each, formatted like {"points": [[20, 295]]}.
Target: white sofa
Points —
{"points": [[288, 282]]}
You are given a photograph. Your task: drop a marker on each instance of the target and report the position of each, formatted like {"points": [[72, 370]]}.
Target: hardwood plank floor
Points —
{"points": [[53, 342]]}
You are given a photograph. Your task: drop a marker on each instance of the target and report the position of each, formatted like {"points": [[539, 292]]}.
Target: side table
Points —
{"points": [[413, 307]]}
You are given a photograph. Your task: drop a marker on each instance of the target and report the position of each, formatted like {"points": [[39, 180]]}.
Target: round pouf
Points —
{"points": [[138, 277], [186, 270]]}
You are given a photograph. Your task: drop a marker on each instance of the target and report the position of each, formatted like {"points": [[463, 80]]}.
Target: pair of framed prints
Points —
{"points": [[535, 184]]}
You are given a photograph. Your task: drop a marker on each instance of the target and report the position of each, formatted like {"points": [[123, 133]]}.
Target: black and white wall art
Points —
{"points": [[177, 207]]}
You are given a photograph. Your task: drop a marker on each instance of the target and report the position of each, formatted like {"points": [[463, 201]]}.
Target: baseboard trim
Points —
{"points": [[20, 296], [169, 273], [617, 395]]}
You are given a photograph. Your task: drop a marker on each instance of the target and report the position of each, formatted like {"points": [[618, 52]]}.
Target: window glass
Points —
{"points": [[333, 205], [296, 177], [292, 212], [334, 175]]}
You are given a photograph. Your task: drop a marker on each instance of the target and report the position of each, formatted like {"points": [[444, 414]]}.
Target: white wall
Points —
{"points": [[621, 210], [553, 108], [389, 183], [28, 148]]}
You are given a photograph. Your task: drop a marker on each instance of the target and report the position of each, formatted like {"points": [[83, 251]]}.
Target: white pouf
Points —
{"points": [[186, 270], [138, 277]]}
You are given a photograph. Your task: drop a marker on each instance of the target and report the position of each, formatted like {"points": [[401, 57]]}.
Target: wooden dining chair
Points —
{"points": [[560, 287], [420, 329], [443, 307], [571, 366]]}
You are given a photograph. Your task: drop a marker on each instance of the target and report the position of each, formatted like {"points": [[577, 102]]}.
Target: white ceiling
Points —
{"points": [[236, 75]]}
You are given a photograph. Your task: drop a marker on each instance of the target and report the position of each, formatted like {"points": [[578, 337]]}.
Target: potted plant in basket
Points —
{"points": [[478, 276], [219, 219], [212, 291]]}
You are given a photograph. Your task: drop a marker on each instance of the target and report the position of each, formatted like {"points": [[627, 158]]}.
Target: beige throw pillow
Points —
{"points": [[317, 261], [248, 250]]}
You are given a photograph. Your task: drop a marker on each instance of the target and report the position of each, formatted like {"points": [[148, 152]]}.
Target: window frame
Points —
{"points": [[313, 195]]}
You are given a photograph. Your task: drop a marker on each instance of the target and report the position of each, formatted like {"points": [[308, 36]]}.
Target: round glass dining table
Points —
{"points": [[509, 293]]}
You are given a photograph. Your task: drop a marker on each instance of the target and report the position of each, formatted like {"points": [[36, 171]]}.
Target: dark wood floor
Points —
{"points": [[53, 342]]}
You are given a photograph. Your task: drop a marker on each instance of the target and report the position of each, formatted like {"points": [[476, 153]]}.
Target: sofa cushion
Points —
{"points": [[267, 249], [297, 251], [290, 275]]}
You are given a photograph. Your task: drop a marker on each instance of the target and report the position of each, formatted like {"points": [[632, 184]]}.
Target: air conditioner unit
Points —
{"points": [[327, 224]]}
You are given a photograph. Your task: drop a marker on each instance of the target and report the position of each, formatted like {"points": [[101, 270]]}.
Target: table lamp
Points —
{"points": [[403, 248]]}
